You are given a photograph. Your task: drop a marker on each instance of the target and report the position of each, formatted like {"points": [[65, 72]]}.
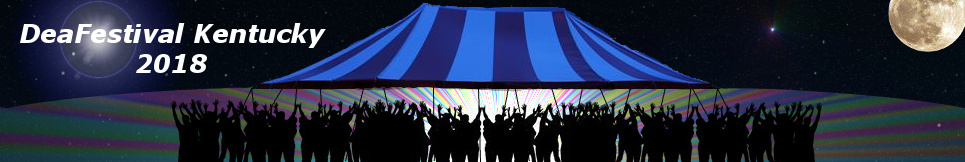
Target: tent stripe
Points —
{"points": [[510, 49], [620, 58], [570, 50], [434, 63], [377, 64], [601, 54], [354, 62], [412, 45], [474, 59], [353, 49], [544, 48], [650, 65], [471, 47]]}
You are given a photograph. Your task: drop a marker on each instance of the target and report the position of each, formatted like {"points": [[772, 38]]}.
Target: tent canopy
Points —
{"points": [[500, 48]]}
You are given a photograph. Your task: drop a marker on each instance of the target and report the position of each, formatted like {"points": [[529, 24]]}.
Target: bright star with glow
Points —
{"points": [[772, 29]]}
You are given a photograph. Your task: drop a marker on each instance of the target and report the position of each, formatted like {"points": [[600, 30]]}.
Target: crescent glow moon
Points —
{"points": [[927, 25]]}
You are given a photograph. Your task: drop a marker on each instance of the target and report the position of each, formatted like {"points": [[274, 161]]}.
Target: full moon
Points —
{"points": [[927, 25]]}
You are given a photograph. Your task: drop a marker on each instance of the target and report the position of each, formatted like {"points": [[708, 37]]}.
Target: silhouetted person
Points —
{"points": [[187, 133], [460, 135], [523, 135], [654, 134], [630, 139], [704, 138], [471, 136], [547, 143], [489, 132], [783, 135], [569, 135], [422, 139], [341, 133], [718, 143], [308, 130], [232, 138], [682, 133], [283, 135], [735, 130], [672, 124], [324, 142], [806, 138], [256, 131], [759, 141], [208, 131]]}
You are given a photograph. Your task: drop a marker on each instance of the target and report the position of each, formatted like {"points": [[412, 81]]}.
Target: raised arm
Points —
{"points": [[195, 114], [814, 125], [623, 114], [699, 117], [432, 118], [254, 106], [216, 108], [174, 105], [692, 111], [298, 108]]}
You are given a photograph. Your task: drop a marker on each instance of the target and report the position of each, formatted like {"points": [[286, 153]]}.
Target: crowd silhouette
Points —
{"points": [[583, 132]]}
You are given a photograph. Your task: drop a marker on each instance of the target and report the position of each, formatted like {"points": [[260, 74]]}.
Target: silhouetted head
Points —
{"points": [[316, 115], [678, 116], [280, 114]]}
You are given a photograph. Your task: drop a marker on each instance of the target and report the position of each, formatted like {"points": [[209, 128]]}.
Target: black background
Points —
{"points": [[818, 45]]}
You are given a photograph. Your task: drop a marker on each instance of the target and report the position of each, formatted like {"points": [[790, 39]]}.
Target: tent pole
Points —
{"points": [[434, 99], [715, 101], [554, 98], [722, 97], [360, 96], [604, 97], [698, 100], [386, 95], [478, 141], [627, 101], [580, 100], [320, 98], [688, 100], [664, 95], [506, 99], [478, 100], [276, 96], [250, 90], [296, 96], [517, 100]]}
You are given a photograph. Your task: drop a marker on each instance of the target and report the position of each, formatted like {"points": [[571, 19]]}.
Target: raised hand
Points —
{"points": [[254, 105]]}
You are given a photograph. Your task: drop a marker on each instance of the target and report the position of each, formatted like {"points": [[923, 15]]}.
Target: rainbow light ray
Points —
{"points": [[139, 126]]}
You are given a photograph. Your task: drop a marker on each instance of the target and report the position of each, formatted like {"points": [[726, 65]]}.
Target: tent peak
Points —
{"points": [[499, 9]]}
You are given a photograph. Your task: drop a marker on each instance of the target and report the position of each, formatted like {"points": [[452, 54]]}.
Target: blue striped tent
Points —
{"points": [[499, 48]]}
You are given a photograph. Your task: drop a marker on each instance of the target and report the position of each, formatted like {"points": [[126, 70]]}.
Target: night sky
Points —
{"points": [[817, 45]]}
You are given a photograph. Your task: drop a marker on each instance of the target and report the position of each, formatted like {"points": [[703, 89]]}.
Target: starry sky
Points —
{"points": [[817, 45]]}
